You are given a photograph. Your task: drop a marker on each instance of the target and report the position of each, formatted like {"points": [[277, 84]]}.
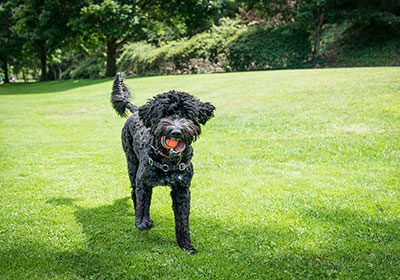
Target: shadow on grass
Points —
{"points": [[46, 87], [113, 249]]}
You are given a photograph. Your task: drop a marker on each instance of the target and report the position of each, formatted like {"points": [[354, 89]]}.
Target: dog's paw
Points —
{"points": [[190, 250], [145, 224]]}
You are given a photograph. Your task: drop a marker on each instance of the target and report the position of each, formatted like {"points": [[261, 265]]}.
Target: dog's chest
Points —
{"points": [[174, 179]]}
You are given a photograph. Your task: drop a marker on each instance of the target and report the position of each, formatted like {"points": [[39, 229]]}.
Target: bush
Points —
{"points": [[370, 45], [229, 46], [87, 68], [204, 52], [138, 58], [270, 48]]}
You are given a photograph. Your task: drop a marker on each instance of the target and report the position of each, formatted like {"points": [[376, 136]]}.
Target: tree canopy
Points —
{"points": [[53, 33]]}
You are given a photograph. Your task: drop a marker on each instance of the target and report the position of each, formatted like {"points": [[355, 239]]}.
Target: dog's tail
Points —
{"points": [[120, 96]]}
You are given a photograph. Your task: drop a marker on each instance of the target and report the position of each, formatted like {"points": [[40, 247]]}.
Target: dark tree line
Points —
{"points": [[38, 32], [38, 28], [312, 15]]}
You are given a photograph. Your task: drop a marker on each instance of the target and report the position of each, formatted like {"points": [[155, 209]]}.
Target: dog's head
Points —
{"points": [[174, 118]]}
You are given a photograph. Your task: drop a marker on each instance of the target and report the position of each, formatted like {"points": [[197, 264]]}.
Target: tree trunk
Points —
{"points": [[35, 75], [4, 65], [317, 36], [43, 62], [59, 72], [54, 73], [111, 66]]}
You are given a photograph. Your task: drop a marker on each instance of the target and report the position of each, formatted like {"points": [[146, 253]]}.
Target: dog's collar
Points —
{"points": [[159, 152], [166, 167]]}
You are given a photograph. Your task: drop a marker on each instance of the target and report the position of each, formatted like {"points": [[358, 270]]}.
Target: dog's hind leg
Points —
{"points": [[143, 201], [140, 194], [133, 162], [132, 170]]}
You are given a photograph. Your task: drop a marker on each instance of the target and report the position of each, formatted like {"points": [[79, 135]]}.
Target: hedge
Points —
{"points": [[229, 46]]}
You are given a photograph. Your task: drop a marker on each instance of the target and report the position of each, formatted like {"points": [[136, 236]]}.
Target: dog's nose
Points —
{"points": [[175, 133]]}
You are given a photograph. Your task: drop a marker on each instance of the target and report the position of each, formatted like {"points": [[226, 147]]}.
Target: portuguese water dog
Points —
{"points": [[157, 140]]}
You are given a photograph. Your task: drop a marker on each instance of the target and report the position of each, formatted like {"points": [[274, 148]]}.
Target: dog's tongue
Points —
{"points": [[180, 147], [175, 146]]}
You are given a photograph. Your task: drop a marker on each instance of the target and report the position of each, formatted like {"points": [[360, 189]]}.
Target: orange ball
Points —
{"points": [[171, 143]]}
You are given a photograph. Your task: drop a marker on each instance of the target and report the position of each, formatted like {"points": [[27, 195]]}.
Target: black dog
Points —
{"points": [[157, 141]]}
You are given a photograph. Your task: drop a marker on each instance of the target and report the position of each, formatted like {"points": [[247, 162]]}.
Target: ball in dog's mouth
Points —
{"points": [[175, 145]]}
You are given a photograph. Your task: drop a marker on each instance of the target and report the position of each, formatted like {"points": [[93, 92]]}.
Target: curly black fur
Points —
{"points": [[173, 114]]}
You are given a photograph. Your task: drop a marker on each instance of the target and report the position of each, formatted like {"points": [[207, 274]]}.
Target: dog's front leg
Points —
{"points": [[142, 210], [181, 205]]}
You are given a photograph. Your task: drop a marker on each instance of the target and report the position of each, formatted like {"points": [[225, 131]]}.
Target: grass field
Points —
{"points": [[297, 177]]}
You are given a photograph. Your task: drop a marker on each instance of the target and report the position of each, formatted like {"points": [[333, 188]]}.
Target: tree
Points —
{"points": [[312, 15], [195, 15], [44, 25], [10, 42], [115, 22]]}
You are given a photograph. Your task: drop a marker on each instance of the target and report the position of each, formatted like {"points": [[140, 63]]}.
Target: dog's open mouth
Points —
{"points": [[174, 145]]}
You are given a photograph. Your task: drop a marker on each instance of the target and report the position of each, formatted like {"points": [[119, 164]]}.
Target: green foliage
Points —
{"points": [[228, 46], [45, 22], [271, 48], [109, 18], [372, 55], [312, 15], [371, 45], [45, 27], [118, 21], [296, 177], [137, 58], [88, 68], [10, 42], [171, 36], [184, 55], [113, 22], [196, 16]]}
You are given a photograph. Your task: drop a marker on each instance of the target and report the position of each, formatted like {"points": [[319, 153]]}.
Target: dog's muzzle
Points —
{"points": [[174, 145]]}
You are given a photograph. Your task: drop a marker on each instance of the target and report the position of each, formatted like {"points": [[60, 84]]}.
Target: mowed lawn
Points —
{"points": [[296, 177]]}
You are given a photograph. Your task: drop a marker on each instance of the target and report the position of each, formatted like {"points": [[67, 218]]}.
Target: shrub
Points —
{"points": [[229, 46], [371, 45], [87, 68], [270, 48], [204, 52], [138, 58]]}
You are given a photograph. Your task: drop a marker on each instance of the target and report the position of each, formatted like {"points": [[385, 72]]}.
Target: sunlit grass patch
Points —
{"points": [[297, 176]]}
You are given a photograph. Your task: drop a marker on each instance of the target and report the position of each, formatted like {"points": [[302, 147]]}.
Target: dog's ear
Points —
{"points": [[151, 112], [206, 112]]}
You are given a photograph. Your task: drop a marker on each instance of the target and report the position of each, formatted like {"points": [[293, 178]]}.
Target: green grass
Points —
{"points": [[297, 177]]}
